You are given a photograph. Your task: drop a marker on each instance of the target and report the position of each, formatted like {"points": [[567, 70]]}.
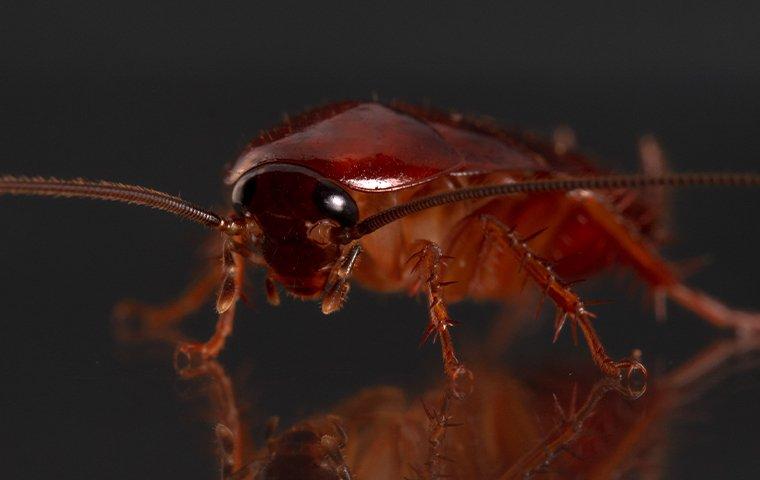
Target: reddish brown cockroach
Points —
{"points": [[356, 179]]}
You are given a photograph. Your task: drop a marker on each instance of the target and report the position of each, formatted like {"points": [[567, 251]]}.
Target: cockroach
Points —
{"points": [[399, 197]]}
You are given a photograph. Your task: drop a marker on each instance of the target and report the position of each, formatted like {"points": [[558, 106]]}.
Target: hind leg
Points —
{"points": [[645, 260]]}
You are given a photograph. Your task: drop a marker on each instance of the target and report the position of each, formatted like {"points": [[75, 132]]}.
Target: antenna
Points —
{"points": [[110, 191], [603, 182]]}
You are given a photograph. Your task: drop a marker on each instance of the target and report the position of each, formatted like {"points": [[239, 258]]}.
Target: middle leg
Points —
{"points": [[569, 305], [429, 270]]}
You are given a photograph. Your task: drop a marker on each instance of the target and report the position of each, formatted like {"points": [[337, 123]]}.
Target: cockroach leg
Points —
{"points": [[153, 319], [337, 286], [226, 442], [228, 430], [714, 311], [429, 269], [569, 305], [187, 352], [672, 392], [273, 296], [567, 431], [224, 398], [233, 265], [658, 274], [334, 445], [439, 421]]}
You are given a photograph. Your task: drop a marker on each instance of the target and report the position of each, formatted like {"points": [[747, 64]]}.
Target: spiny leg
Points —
{"points": [[439, 421], [672, 392], [568, 430], [658, 274], [429, 266], [569, 305], [233, 264]]}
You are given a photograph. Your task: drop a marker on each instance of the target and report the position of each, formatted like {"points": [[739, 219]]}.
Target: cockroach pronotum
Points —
{"points": [[406, 198]]}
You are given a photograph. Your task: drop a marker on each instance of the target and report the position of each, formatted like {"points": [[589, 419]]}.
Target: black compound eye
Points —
{"points": [[336, 204], [242, 193]]}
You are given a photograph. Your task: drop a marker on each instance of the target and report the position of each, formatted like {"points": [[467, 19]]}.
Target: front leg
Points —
{"points": [[233, 264], [337, 286], [428, 269], [569, 305]]}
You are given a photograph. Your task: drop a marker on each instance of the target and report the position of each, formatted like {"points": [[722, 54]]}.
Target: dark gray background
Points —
{"points": [[165, 94]]}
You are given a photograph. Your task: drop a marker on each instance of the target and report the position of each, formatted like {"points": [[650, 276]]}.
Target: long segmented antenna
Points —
{"points": [[605, 182], [115, 192]]}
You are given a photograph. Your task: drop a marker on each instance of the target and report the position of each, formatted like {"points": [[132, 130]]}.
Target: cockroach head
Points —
{"points": [[299, 214]]}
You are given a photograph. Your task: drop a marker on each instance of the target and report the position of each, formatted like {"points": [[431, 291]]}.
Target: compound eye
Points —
{"points": [[242, 193], [336, 204]]}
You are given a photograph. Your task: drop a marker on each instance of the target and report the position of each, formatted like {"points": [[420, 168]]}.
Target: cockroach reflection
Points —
{"points": [[312, 449], [402, 198], [509, 428]]}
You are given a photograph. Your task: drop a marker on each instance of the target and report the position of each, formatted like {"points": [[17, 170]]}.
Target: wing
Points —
{"points": [[375, 147]]}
